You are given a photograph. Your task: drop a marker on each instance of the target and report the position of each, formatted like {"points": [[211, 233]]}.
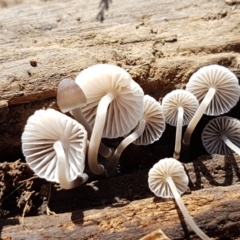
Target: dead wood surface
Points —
{"points": [[215, 210], [161, 43], [123, 207]]}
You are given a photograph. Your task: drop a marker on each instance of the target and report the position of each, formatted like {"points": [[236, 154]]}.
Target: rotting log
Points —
{"points": [[205, 172], [123, 207], [160, 43], [215, 210]]}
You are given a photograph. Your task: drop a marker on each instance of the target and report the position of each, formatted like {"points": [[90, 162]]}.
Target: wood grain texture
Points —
{"points": [[64, 38], [216, 211], [123, 207]]}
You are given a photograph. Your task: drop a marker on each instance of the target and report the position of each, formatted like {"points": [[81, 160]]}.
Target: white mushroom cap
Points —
{"points": [[125, 110], [179, 98], [70, 96], [148, 130], [212, 135], [155, 121], [158, 174], [222, 80], [43, 129]]}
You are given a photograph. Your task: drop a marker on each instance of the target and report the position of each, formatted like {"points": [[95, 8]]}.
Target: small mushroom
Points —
{"points": [[167, 179], [115, 104], [179, 107], [148, 130], [222, 136], [55, 146], [216, 87], [71, 98], [154, 118]]}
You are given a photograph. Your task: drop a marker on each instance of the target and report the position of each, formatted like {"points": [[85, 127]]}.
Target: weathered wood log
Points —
{"points": [[160, 43], [215, 210], [124, 208], [205, 172]]}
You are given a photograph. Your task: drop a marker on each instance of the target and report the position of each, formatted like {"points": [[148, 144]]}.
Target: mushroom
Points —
{"points": [[149, 129], [167, 179], [216, 87], [221, 136], [71, 98], [154, 118], [115, 104], [179, 107], [55, 146]]}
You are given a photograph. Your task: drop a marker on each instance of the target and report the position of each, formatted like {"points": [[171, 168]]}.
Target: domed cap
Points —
{"points": [[215, 129], [179, 98], [125, 110], [70, 96], [167, 167], [43, 129], [155, 121], [222, 80]]}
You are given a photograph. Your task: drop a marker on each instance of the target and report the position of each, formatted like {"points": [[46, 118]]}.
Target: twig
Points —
{"points": [[34, 177], [48, 211], [11, 192], [26, 209]]}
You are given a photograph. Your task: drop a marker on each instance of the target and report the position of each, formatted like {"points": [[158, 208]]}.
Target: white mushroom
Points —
{"points": [[71, 98], [167, 179], [222, 136], [216, 87], [55, 146], [115, 104], [149, 129], [154, 118], [179, 107]]}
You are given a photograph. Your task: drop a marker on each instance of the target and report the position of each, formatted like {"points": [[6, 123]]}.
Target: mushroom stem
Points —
{"points": [[230, 144], [97, 134], [200, 111], [178, 133], [63, 169], [82, 178], [113, 162], [184, 210], [78, 115]]}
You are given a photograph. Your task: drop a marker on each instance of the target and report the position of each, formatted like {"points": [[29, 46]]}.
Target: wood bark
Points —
{"points": [[216, 211], [123, 207]]}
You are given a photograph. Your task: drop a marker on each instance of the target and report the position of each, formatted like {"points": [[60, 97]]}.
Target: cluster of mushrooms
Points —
{"points": [[105, 102]]}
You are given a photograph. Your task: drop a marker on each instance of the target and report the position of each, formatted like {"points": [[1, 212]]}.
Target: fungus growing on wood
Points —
{"points": [[71, 98], [222, 136], [55, 146], [167, 179], [114, 105], [217, 90], [154, 118], [179, 107], [149, 129]]}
